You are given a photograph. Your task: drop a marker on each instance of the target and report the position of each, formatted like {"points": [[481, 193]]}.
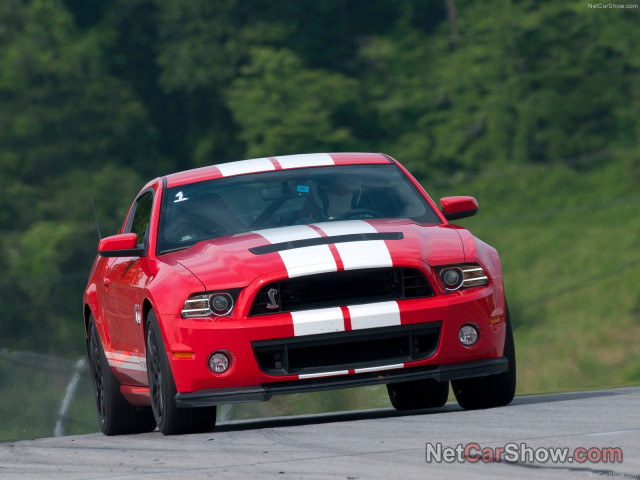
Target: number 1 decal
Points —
{"points": [[180, 197]]}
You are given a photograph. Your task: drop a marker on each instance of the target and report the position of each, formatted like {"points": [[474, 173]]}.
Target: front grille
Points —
{"points": [[340, 289], [347, 350]]}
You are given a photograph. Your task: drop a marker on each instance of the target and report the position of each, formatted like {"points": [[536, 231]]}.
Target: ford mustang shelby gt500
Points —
{"points": [[240, 281]]}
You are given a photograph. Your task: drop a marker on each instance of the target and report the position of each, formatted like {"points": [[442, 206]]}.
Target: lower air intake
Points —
{"points": [[347, 350]]}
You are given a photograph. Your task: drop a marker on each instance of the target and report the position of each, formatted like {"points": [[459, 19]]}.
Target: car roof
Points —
{"points": [[265, 164]]}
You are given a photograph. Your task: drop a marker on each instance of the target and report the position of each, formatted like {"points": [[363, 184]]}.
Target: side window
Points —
{"points": [[142, 216]]}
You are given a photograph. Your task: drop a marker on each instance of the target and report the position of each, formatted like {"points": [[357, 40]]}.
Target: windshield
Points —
{"points": [[210, 209]]}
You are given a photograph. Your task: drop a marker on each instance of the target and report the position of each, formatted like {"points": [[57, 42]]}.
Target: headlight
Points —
{"points": [[452, 277], [466, 275], [217, 304]]}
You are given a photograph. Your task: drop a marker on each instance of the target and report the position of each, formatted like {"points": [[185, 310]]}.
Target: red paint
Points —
{"points": [[347, 319], [458, 204], [118, 242]]}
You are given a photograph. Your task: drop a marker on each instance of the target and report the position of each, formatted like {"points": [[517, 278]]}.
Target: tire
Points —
{"points": [[418, 394], [116, 416], [493, 390], [170, 419]]}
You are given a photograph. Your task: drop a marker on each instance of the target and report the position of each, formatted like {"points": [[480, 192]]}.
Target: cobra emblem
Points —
{"points": [[273, 299]]}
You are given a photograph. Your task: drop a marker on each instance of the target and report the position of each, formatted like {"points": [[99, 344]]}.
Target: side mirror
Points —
{"points": [[454, 208], [123, 245]]}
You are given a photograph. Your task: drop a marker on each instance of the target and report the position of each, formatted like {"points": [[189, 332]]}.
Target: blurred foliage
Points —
{"points": [[97, 97], [27, 414], [300, 105], [569, 238]]}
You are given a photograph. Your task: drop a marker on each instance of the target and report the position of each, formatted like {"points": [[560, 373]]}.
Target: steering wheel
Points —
{"points": [[356, 213]]}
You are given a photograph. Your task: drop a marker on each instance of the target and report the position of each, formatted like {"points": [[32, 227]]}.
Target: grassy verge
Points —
{"points": [[32, 387], [569, 239]]}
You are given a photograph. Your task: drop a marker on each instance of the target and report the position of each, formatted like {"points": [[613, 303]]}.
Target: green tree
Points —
{"points": [[528, 82], [66, 126], [57, 105], [283, 107]]}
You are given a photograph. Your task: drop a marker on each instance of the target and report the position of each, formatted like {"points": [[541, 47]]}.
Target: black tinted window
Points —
{"points": [[142, 216], [243, 203]]}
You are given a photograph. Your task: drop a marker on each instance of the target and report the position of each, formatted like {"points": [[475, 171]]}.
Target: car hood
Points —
{"points": [[287, 252]]}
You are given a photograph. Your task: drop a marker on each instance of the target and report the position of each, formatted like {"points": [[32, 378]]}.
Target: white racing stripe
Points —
{"points": [[127, 366], [319, 259], [330, 320], [346, 227], [355, 255], [368, 254], [374, 315], [305, 260], [308, 261], [346, 372], [324, 374], [288, 234], [241, 167], [378, 369], [314, 322], [130, 362], [305, 160]]}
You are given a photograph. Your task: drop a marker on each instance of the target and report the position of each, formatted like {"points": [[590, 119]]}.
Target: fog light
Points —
{"points": [[468, 335], [219, 362]]}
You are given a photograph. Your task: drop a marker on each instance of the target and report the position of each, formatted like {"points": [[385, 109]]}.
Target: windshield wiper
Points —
{"points": [[175, 249]]}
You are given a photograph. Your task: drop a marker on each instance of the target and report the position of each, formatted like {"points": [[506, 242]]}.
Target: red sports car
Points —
{"points": [[240, 281]]}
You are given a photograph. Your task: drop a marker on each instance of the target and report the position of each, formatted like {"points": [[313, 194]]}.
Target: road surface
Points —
{"points": [[369, 444]]}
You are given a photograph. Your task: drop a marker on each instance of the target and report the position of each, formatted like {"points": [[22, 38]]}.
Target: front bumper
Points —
{"points": [[254, 342], [259, 393]]}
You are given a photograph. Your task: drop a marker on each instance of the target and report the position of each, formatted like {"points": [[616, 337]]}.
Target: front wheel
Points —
{"points": [[493, 390], [171, 420], [115, 415]]}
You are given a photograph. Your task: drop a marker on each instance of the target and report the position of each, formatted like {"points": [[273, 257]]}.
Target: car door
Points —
{"points": [[124, 281]]}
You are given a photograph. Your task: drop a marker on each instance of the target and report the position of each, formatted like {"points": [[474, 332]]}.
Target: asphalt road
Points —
{"points": [[369, 444]]}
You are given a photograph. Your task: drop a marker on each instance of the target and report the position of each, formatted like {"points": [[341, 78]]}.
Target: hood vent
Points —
{"points": [[311, 242]]}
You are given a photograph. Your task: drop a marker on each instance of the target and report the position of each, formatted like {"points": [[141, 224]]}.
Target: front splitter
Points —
{"points": [[262, 393]]}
